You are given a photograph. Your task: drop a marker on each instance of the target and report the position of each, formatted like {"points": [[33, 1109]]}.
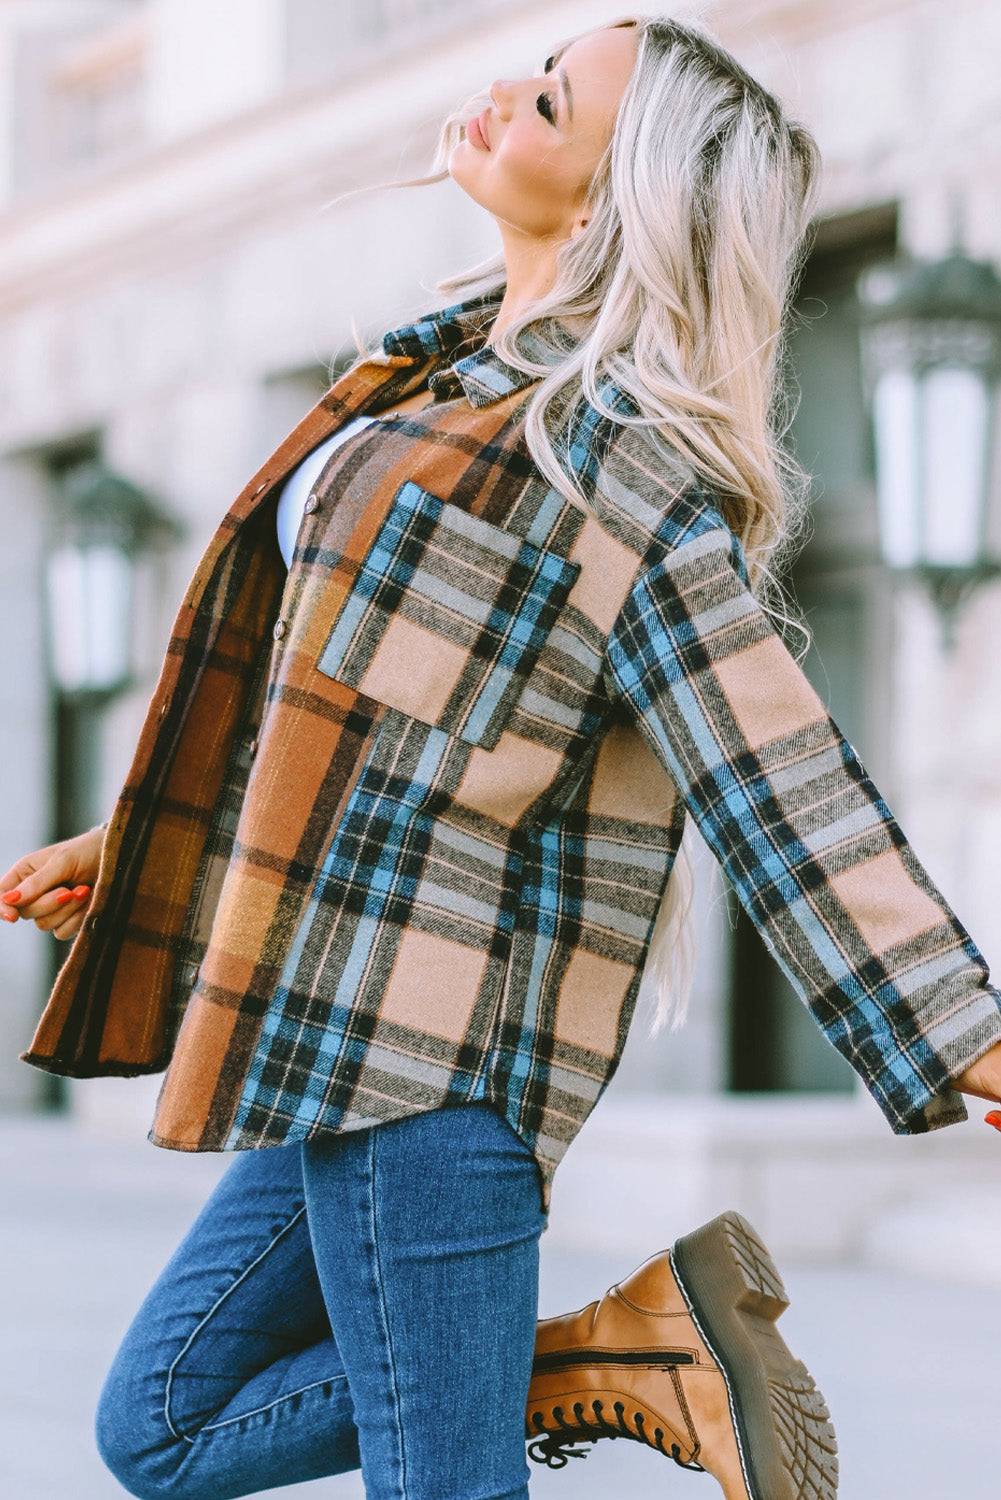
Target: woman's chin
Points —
{"points": [[462, 167]]}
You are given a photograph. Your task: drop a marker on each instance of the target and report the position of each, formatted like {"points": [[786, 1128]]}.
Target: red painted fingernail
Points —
{"points": [[63, 897], [79, 891], [993, 1117], [12, 897]]}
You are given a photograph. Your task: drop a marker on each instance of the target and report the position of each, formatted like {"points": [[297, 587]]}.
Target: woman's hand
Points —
{"points": [[983, 1077], [51, 886]]}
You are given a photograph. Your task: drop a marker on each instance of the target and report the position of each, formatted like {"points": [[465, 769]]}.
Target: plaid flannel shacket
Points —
{"points": [[399, 820]]}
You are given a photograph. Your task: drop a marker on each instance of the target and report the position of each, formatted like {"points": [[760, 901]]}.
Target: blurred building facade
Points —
{"points": [[171, 294]]}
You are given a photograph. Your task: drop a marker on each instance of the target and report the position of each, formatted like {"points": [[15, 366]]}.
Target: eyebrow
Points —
{"points": [[566, 90]]}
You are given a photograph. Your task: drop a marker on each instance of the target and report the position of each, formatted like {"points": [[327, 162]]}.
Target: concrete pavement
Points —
{"points": [[908, 1364]]}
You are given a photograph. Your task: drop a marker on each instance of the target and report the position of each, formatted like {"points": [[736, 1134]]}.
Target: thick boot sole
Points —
{"points": [[734, 1292]]}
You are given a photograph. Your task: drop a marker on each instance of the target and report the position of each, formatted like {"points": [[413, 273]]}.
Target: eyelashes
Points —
{"points": [[544, 102]]}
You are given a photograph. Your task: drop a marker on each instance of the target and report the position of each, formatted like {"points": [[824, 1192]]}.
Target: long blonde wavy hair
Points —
{"points": [[681, 284]]}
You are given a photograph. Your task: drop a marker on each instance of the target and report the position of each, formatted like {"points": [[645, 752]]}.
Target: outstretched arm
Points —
{"points": [[818, 861]]}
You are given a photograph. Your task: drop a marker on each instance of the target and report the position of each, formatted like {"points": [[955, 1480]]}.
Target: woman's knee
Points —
{"points": [[143, 1455]]}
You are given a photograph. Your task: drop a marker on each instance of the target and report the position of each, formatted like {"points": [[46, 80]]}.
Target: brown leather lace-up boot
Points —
{"points": [[684, 1355]]}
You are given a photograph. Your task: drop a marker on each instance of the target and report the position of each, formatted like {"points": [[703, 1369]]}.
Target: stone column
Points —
{"points": [[26, 756]]}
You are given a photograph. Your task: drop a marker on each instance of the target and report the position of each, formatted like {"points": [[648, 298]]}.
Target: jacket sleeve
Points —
{"points": [[817, 860]]}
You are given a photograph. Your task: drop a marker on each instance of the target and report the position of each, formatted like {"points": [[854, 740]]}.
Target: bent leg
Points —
{"points": [[426, 1240], [228, 1380]]}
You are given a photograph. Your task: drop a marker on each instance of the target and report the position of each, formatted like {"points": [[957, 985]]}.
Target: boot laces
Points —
{"points": [[563, 1440]]}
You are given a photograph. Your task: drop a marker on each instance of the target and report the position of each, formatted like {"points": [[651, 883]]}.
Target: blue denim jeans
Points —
{"points": [[365, 1300]]}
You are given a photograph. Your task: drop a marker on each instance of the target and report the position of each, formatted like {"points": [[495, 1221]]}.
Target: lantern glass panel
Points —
{"points": [[90, 617], [954, 429], [896, 433]]}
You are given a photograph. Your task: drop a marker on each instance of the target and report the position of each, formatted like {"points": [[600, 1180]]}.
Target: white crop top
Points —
{"points": [[298, 484]]}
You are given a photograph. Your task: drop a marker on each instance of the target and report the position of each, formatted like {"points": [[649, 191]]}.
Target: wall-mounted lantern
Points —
{"points": [[102, 525], [931, 353]]}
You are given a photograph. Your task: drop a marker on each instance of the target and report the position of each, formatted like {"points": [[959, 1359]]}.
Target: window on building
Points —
{"points": [[96, 95], [325, 41]]}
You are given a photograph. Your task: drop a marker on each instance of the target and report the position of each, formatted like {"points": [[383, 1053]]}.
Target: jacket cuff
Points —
{"points": [[947, 1048]]}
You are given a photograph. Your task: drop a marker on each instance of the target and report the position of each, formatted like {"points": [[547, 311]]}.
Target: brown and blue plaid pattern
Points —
{"points": [[399, 821], [481, 601], [819, 863]]}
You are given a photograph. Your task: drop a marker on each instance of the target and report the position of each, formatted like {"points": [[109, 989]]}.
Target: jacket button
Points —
{"points": [[162, 710], [279, 629], [262, 486], [93, 920], [312, 504], [252, 747]]}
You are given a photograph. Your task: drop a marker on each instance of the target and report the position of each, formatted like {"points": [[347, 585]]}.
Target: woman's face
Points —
{"points": [[545, 135]]}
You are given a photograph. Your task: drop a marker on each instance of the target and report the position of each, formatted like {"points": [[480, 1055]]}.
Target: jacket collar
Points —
{"points": [[483, 375]]}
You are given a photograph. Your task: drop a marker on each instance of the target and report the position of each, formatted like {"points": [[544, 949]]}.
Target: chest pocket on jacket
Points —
{"points": [[447, 616]]}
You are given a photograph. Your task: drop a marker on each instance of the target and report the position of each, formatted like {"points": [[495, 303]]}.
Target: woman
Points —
{"points": [[385, 870]]}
